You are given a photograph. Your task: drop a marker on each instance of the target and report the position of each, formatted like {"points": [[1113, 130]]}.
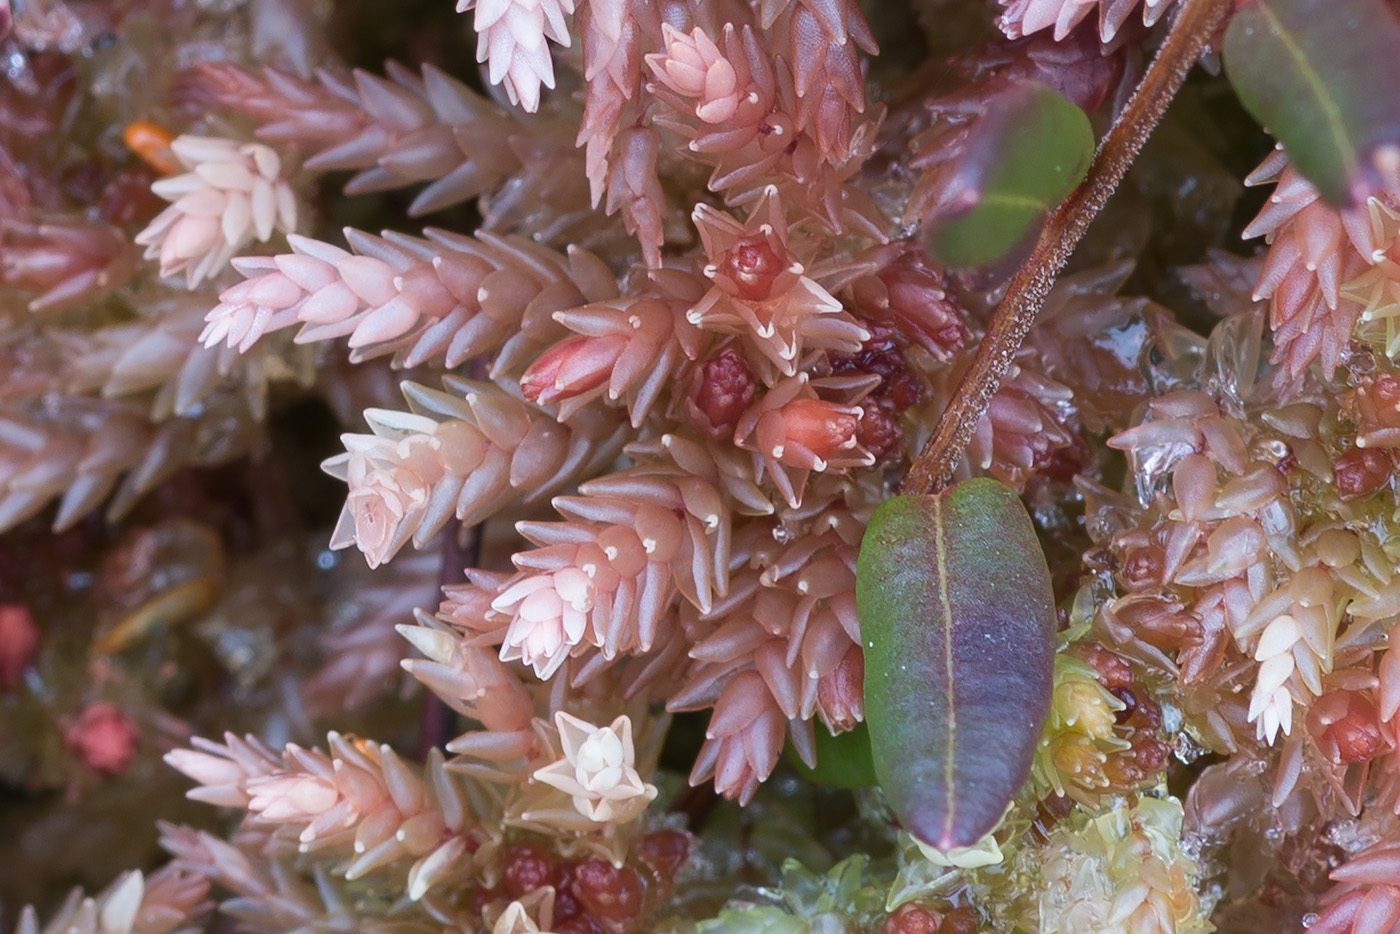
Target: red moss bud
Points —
{"points": [[566, 904], [1146, 716], [721, 390], [1357, 741], [882, 356], [664, 852], [1386, 391], [1142, 569], [912, 295], [962, 920], [609, 894], [911, 918], [753, 266], [1360, 472], [1153, 755], [1347, 726], [1112, 670], [880, 433], [527, 868], [1131, 767]]}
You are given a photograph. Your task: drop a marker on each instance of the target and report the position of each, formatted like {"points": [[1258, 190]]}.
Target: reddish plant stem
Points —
{"points": [[1195, 23]]}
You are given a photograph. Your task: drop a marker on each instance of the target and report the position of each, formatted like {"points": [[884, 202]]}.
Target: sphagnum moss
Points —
{"points": [[630, 331]]}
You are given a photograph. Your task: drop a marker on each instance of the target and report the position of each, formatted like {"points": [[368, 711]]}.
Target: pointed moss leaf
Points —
{"points": [[958, 621], [1024, 154], [1322, 76], [843, 760]]}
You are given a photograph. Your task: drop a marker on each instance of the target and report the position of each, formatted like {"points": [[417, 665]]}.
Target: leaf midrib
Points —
{"points": [[940, 555]]}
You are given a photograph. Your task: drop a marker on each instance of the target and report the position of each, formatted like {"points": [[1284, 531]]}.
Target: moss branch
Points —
{"points": [[1195, 23], [461, 549]]}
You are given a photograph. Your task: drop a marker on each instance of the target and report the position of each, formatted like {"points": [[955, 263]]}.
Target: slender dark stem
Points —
{"points": [[461, 546], [1196, 21]]}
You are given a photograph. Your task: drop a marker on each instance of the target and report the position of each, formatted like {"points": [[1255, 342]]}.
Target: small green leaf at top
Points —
{"points": [[1026, 152], [1322, 75], [957, 618]]}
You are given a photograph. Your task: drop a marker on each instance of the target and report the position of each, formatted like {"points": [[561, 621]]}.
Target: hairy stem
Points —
{"points": [[1195, 23]]}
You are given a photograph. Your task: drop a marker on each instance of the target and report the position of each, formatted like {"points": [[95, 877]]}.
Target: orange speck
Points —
{"points": [[152, 143]]}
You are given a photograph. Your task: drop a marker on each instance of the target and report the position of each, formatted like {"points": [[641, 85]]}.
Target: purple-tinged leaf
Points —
{"points": [[958, 623], [1322, 75], [1025, 153]]}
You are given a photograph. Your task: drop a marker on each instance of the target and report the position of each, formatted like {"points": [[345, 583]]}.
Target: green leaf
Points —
{"points": [[958, 620], [1022, 157], [843, 760], [1322, 76]]}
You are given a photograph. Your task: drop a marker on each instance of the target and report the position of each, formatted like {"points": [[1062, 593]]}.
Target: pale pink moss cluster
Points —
{"points": [[1023, 17], [234, 193], [1328, 274], [1254, 569], [163, 903]]}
